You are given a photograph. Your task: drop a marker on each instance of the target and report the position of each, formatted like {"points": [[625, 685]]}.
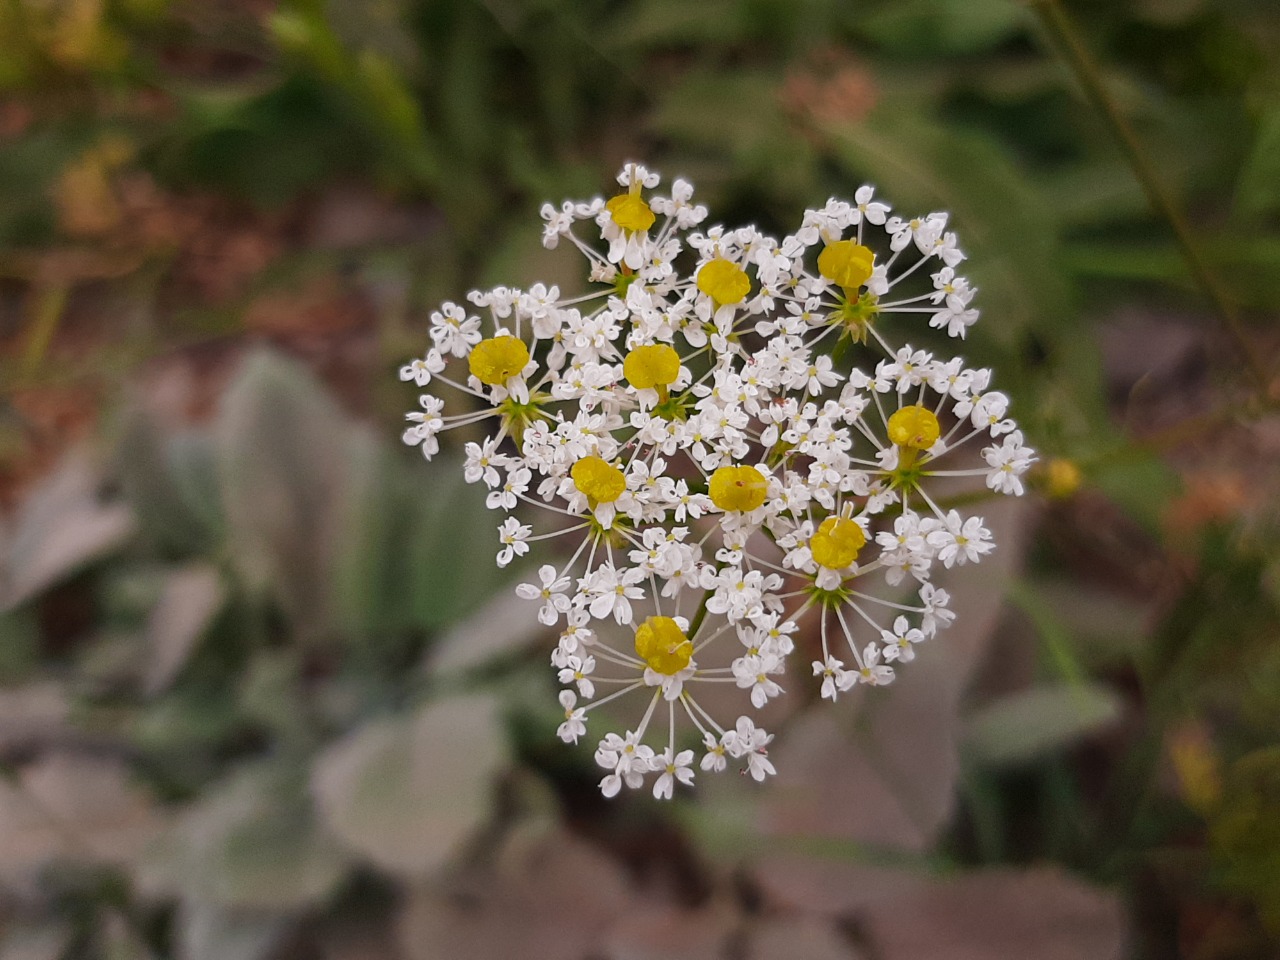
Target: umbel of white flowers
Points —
{"points": [[711, 464]]}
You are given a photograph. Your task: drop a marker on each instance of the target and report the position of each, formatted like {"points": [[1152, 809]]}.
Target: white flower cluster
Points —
{"points": [[697, 433]]}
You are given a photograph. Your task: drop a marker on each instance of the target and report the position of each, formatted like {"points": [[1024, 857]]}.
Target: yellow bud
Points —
{"points": [[846, 264], [497, 360], [1197, 766], [647, 367], [723, 281], [837, 542], [663, 646], [1062, 478], [914, 427], [600, 480], [630, 212], [738, 488]]}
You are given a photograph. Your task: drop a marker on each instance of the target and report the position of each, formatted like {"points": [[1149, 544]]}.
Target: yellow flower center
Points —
{"points": [[1062, 478], [647, 367], [630, 212], [600, 480], [846, 264], [663, 646], [723, 281], [738, 488], [837, 542], [498, 359], [914, 427]]}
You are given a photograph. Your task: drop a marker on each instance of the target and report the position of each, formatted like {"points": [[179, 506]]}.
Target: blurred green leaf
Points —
{"points": [[61, 527], [417, 552], [271, 146], [650, 23], [405, 793], [206, 931], [920, 27], [1100, 624], [19, 644], [1025, 726], [270, 694], [171, 484], [249, 842], [1245, 832], [282, 448], [1094, 193], [733, 113], [184, 732], [1244, 263], [1140, 482], [501, 627], [190, 598], [1258, 188]]}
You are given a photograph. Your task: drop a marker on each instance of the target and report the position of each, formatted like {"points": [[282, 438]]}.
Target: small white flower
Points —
{"points": [[748, 741], [575, 718], [578, 670], [961, 540], [835, 679], [713, 760], [551, 591], [872, 671], [421, 371], [674, 766], [513, 534], [898, 641]]}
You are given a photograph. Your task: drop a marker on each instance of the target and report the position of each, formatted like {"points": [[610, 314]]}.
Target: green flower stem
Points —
{"points": [[699, 616], [1086, 72], [47, 307]]}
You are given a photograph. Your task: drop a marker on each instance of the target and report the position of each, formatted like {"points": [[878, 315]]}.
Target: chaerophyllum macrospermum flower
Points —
{"points": [[724, 436]]}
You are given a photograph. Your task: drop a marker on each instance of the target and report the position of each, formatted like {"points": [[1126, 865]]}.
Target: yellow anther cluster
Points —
{"points": [[498, 359], [738, 488], [663, 646], [630, 212], [723, 281], [1062, 478], [600, 480], [837, 542], [914, 427], [846, 264], [655, 365]]}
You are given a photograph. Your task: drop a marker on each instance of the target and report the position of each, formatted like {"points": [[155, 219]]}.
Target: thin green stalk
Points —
{"points": [[1086, 72], [47, 307], [700, 616]]}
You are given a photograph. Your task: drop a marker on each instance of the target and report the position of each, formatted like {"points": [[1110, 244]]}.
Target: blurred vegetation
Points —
{"points": [[256, 695]]}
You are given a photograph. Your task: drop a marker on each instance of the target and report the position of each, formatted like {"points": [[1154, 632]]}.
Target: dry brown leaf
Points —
{"points": [[790, 938], [188, 600], [47, 941], [61, 527], [68, 805], [666, 932], [556, 901], [319, 307], [502, 626], [1038, 914], [31, 714], [406, 793]]}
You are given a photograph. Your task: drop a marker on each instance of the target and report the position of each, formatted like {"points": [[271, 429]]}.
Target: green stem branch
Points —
{"points": [[1086, 72]]}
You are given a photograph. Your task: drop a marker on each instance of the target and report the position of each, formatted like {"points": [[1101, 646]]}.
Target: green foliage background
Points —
{"points": [[246, 701]]}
